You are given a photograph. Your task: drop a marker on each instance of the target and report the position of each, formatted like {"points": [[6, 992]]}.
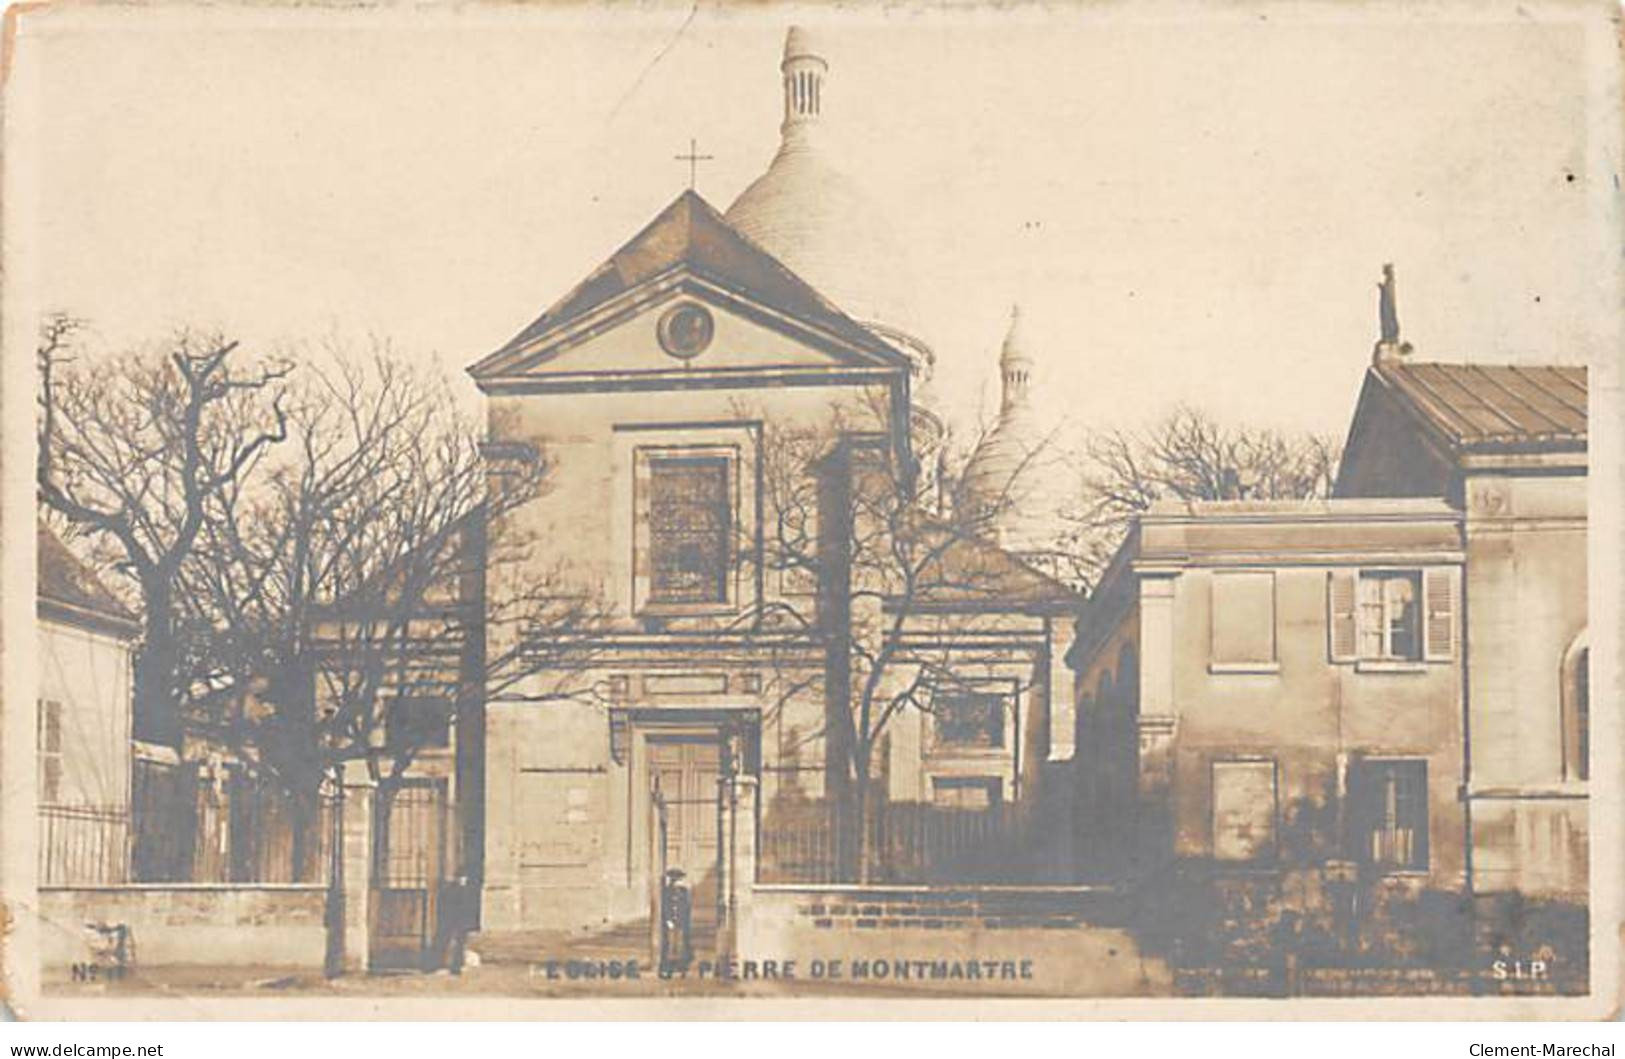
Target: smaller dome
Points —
{"points": [[1002, 479]]}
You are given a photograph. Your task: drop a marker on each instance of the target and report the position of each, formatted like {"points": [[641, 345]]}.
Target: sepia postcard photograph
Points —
{"points": [[726, 510]]}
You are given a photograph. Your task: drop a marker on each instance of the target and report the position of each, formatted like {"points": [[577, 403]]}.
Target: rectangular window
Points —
{"points": [[690, 528], [1392, 616], [1388, 810], [1243, 619], [966, 792], [418, 722], [1390, 607], [969, 719], [1244, 810], [48, 743]]}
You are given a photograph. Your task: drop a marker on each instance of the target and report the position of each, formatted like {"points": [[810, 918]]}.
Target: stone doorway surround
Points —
{"points": [[632, 861]]}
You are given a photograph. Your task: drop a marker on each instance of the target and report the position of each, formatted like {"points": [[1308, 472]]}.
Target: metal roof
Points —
{"points": [[1496, 404]]}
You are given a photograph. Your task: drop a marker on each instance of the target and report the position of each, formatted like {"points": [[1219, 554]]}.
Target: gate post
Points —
{"points": [[356, 865], [741, 862]]}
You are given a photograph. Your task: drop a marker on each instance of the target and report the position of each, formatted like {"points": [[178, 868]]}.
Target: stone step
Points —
{"points": [[621, 941]]}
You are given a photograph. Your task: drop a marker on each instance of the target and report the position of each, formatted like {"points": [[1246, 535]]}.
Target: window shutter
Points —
{"points": [[50, 780], [49, 733], [1340, 616], [1439, 601]]}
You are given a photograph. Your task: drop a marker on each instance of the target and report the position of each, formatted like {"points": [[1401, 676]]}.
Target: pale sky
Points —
{"points": [[1191, 205]]}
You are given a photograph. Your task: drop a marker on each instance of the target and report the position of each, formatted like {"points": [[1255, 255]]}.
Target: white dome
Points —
{"points": [[813, 218], [1003, 477]]}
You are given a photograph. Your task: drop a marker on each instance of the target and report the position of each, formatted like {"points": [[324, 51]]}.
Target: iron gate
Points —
{"points": [[409, 872]]}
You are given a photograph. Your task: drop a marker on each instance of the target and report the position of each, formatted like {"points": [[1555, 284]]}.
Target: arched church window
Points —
{"points": [[1128, 674], [1576, 709]]}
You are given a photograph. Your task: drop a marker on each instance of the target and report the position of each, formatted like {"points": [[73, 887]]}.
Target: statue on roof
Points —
{"points": [[1387, 308]]}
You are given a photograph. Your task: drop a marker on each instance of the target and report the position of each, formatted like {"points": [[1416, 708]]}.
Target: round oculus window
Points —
{"points": [[685, 330]]}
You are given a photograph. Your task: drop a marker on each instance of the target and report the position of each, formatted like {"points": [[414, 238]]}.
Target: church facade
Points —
{"points": [[789, 634]]}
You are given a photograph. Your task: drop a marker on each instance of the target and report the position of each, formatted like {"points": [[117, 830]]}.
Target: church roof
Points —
{"points": [[69, 590], [979, 575], [688, 235], [1494, 405]]}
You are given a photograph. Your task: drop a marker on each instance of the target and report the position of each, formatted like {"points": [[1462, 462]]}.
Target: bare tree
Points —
{"points": [[348, 595], [1186, 455], [310, 551], [899, 585], [137, 451]]}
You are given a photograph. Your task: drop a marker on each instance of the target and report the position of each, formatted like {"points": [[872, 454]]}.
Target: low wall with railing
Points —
{"points": [[936, 940], [199, 924]]}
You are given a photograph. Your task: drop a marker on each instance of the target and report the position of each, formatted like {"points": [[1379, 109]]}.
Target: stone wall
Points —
{"points": [[1031, 941], [274, 926]]}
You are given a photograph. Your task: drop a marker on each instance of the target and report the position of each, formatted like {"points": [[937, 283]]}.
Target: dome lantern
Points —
{"points": [[1015, 367], [820, 224], [804, 70]]}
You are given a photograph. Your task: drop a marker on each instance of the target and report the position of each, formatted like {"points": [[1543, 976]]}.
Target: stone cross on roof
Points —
{"points": [[694, 158]]}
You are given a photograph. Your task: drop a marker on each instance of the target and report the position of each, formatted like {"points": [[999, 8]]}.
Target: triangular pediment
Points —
{"points": [[761, 316]]}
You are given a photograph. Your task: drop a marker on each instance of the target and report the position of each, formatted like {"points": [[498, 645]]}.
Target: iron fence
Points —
{"points": [[230, 827], [907, 844], [83, 845]]}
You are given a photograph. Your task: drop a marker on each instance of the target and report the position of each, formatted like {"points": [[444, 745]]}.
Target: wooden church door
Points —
{"points": [[685, 770]]}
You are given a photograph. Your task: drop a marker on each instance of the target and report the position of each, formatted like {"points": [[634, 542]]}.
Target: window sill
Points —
{"points": [[1244, 667], [687, 610], [966, 753], [1389, 665]]}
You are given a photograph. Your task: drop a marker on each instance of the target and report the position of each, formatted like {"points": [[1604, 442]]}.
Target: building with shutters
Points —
{"points": [[1276, 683], [1396, 677], [1506, 446], [83, 739]]}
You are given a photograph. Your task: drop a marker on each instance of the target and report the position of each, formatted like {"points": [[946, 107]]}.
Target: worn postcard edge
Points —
{"points": [[20, 986]]}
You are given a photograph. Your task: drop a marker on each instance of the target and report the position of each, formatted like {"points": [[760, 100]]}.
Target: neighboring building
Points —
{"points": [[121, 849], [83, 738], [1506, 446], [1406, 662], [1276, 683]]}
